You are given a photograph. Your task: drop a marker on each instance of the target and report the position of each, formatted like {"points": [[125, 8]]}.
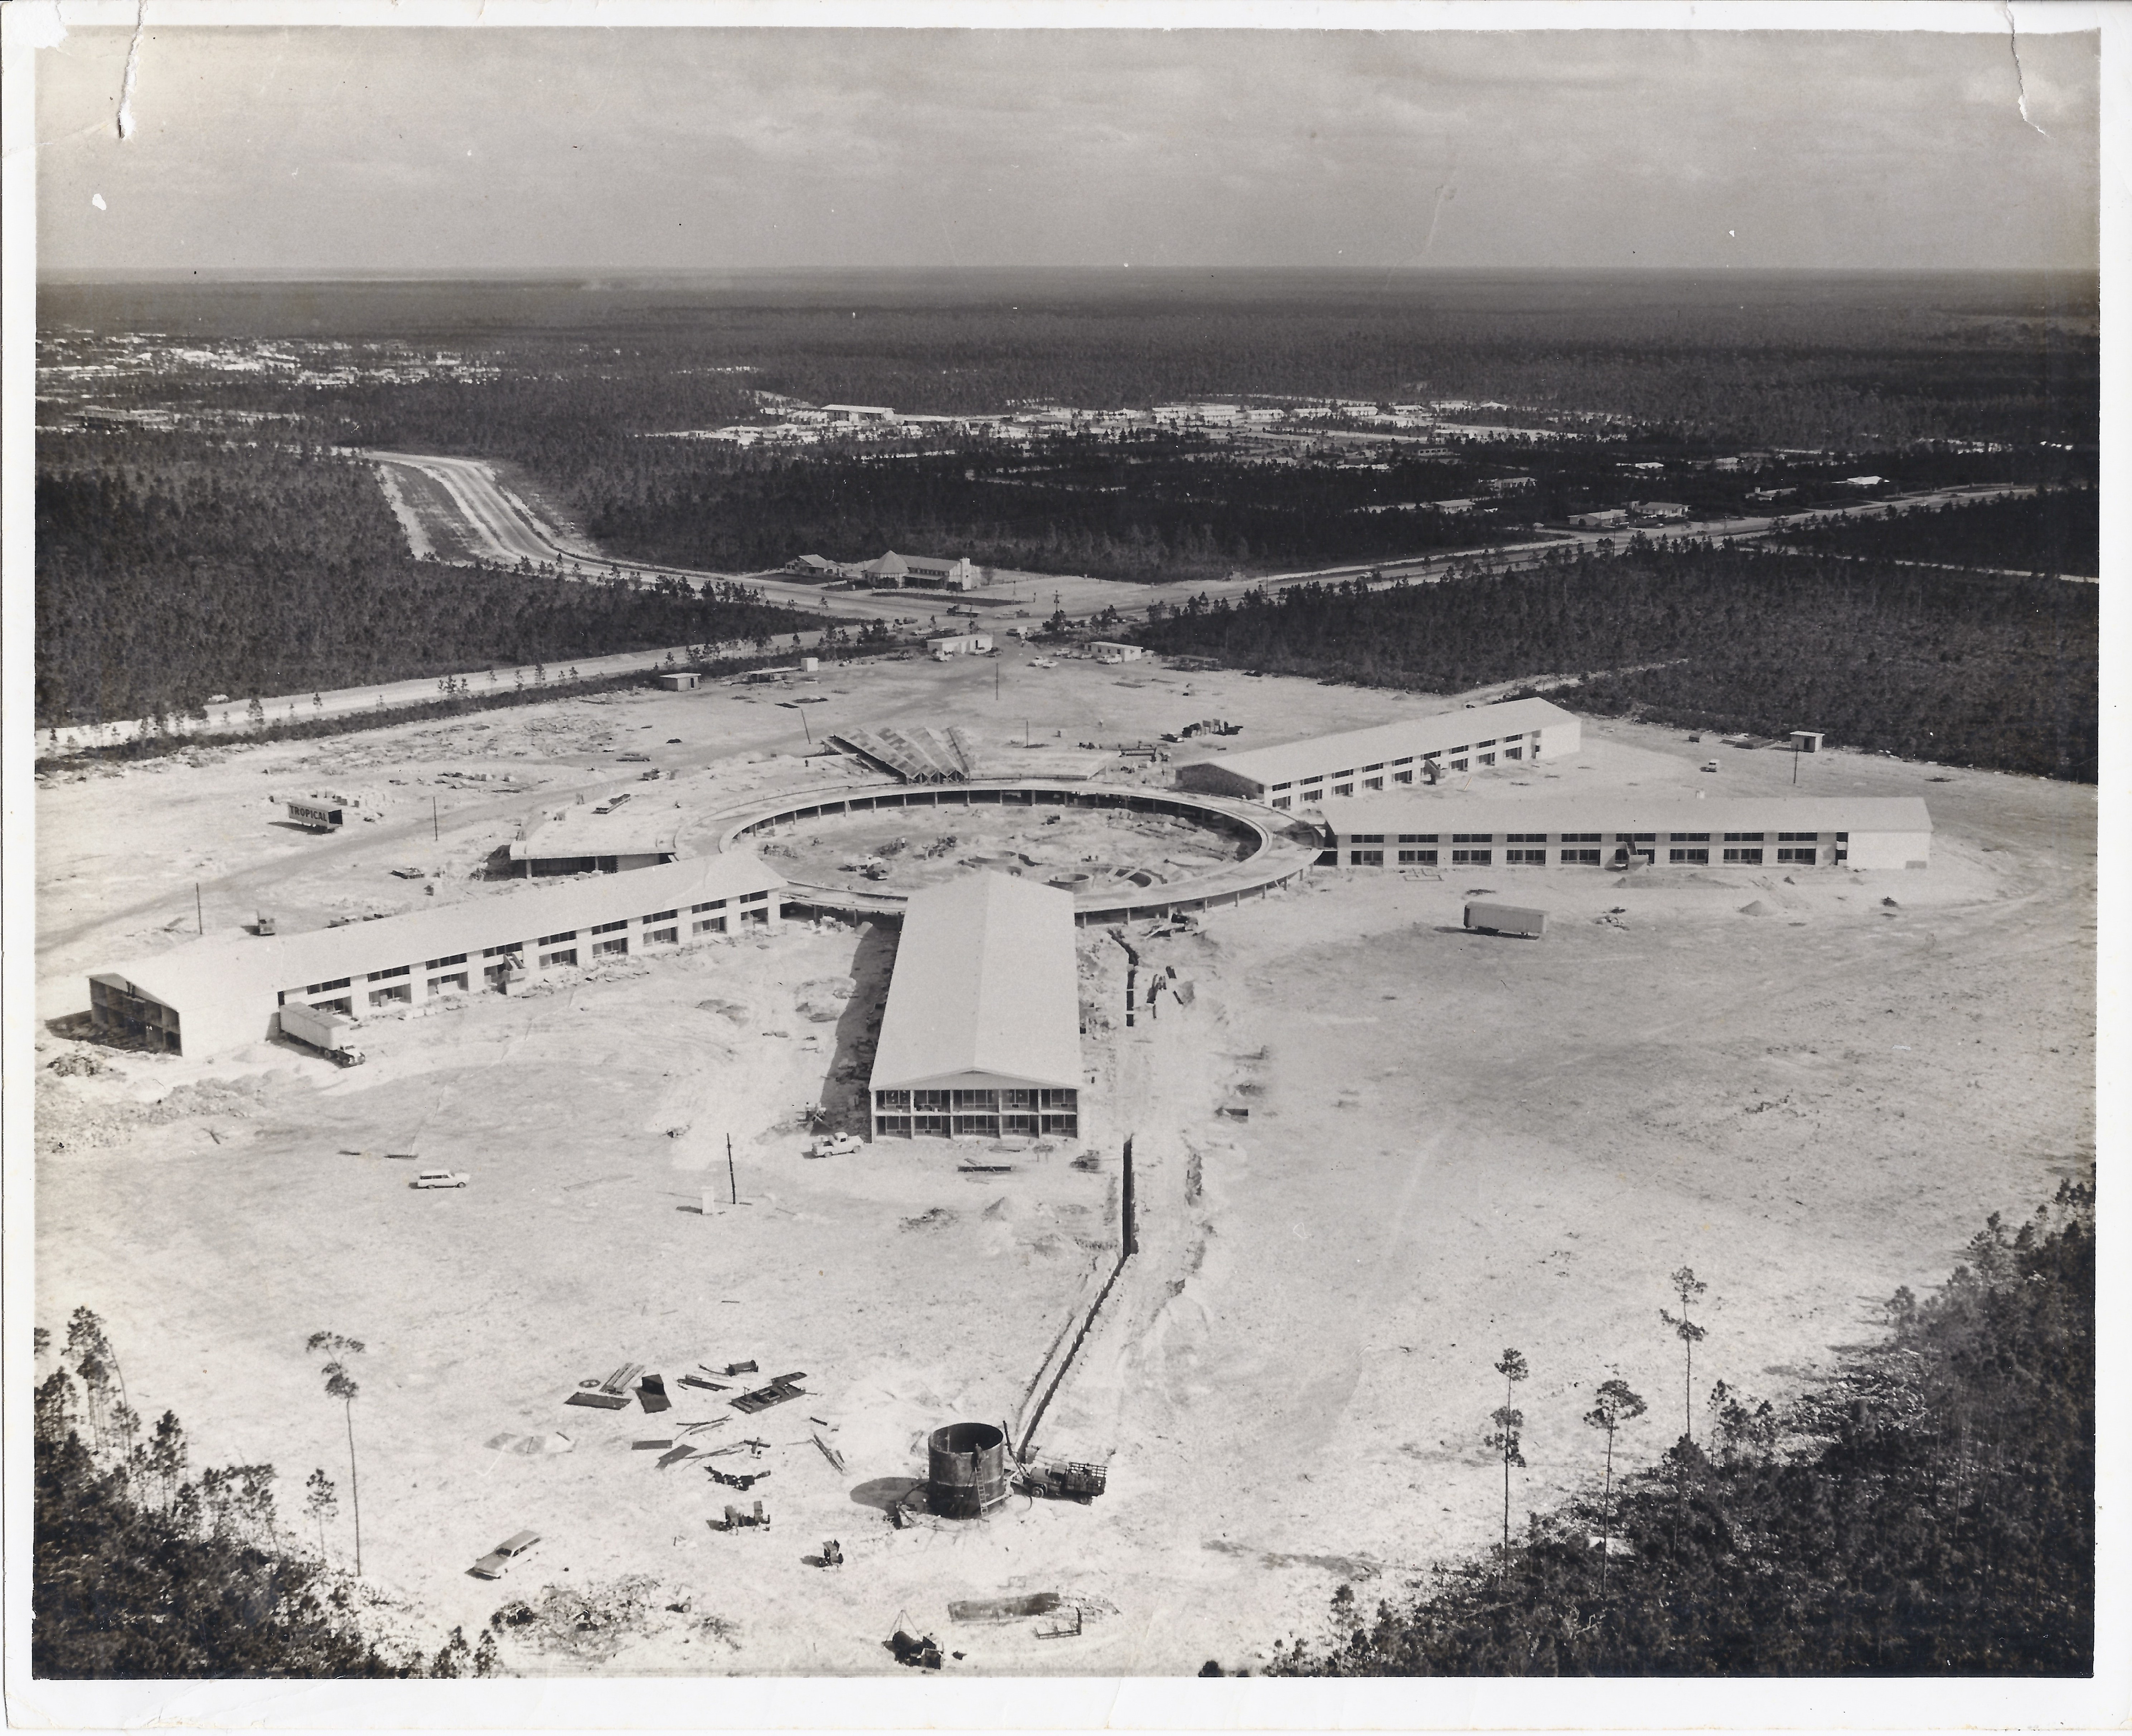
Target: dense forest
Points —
{"points": [[1930, 1512], [2056, 531], [2001, 673], [172, 567]]}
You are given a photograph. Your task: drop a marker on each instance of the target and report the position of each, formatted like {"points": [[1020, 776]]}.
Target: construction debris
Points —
{"points": [[741, 1480], [610, 1394], [831, 1454], [782, 1390], [651, 1395], [735, 1520]]}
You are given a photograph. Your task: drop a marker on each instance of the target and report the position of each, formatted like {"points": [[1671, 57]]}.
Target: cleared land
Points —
{"points": [[1453, 1143], [911, 850]]}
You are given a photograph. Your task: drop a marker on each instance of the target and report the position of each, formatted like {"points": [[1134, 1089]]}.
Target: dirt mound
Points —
{"points": [[823, 999], [732, 1009], [1757, 908], [939, 1218], [68, 1122]]}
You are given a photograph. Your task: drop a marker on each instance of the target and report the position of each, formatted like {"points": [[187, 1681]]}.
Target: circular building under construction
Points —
{"points": [[966, 1469]]}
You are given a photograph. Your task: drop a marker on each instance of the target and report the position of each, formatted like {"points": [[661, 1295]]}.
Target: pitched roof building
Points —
{"points": [[982, 1033]]}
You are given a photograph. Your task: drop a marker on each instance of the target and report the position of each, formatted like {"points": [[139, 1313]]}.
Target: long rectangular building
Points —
{"points": [[982, 1033], [208, 997], [1620, 830], [1413, 752]]}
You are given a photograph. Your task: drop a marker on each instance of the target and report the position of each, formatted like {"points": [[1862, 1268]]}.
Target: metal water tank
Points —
{"points": [[966, 1469]]}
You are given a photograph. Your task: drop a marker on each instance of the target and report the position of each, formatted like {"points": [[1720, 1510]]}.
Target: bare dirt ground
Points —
{"points": [[1147, 849], [1452, 1144]]}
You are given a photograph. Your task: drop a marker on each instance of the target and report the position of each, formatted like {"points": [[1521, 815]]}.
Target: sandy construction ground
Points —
{"points": [[1452, 1144]]}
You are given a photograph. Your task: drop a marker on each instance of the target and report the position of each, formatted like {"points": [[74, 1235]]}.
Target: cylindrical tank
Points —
{"points": [[967, 1469]]}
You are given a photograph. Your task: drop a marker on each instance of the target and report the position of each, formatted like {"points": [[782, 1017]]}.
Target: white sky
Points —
{"points": [[716, 149]]}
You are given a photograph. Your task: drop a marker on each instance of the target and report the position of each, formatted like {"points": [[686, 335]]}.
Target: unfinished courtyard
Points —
{"points": [[1370, 1149]]}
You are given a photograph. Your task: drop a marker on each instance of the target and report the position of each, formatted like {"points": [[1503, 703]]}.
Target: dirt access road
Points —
{"points": [[1454, 1143]]}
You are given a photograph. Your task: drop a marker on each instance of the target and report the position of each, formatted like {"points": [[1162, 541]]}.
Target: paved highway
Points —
{"points": [[509, 531]]}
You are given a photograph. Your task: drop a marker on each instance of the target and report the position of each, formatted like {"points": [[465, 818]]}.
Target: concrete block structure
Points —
{"points": [[1625, 829], [607, 837], [982, 1033], [1412, 752], [207, 997]]}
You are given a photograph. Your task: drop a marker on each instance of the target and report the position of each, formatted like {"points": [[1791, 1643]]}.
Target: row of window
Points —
{"points": [[1013, 1098], [1807, 854], [1311, 790], [1591, 837], [990, 1127], [399, 991]]}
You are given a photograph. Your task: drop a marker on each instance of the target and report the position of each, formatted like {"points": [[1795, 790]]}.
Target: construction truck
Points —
{"points": [[325, 1032]]}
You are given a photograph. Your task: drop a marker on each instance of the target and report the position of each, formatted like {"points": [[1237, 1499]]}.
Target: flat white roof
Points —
{"points": [[984, 983], [231, 967], [1630, 812], [640, 826], [1360, 747]]}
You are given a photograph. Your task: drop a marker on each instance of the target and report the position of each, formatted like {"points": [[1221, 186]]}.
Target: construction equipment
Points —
{"points": [[741, 1480], [1065, 1479], [325, 1032], [735, 1520], [610, 1394], [736, 1367], [916, 1652], [832, 1554]]}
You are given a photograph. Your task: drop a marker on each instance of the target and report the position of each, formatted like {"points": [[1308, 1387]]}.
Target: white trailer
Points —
{"points": [[325, 1032], [1506, 919]]}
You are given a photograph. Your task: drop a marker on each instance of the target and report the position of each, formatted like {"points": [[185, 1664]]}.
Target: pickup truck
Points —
{"points": [[491, 1565], [834, 1145]]}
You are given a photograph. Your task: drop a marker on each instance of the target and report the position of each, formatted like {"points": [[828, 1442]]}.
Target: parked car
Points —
{"points": [[491, 1565], [1709, 765], [441, 1179], [629, 757]]}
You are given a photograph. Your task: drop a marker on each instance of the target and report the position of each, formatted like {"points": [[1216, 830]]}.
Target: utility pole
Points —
{"points": [[200, 917], [1795, 754], [732, 1177], [805, 729], [1126, 1205], [434, 834]]}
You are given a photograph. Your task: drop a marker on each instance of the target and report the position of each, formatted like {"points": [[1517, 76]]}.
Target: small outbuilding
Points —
{"points": [[960, 645], [1807, 740], [678, 682]]}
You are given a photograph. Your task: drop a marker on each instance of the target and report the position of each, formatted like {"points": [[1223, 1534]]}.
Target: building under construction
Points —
{"points": [[1414, 752], [982, 1033], [1627, 829], [207, 997]]}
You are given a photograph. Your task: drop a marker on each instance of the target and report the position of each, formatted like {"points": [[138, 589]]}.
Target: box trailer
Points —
{"points": [[1506, 919], [325, 1032]]}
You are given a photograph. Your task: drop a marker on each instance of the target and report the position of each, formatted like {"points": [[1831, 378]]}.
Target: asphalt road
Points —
{"points": [[509, 531]]}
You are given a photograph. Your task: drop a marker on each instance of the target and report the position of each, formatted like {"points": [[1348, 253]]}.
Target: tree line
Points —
{"points": [[173, 567], [1927, 1511], [2054, 531], [1969, 670]]}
